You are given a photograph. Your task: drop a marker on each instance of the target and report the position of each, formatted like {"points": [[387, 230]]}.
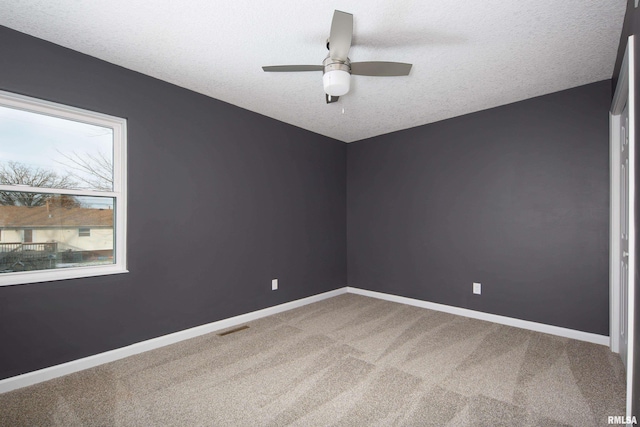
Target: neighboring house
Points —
{"points": [[84, 231]]}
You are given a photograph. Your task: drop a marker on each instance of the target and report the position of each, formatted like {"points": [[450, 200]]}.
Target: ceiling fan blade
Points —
{"points": [[340, 36], [380, 68], [287, 68]]}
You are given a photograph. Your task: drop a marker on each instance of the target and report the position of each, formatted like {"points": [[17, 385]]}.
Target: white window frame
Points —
{"points": [[119, 193]]}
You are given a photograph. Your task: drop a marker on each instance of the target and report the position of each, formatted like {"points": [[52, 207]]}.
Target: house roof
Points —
{"points": [[54, 217], [467, 56]]}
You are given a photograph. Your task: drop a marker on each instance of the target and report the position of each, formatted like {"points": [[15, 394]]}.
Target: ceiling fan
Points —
{"points": [[337, 68]]}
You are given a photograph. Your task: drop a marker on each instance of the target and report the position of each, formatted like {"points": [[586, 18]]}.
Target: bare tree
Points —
{"points": [[14, 173], [93, 171]]}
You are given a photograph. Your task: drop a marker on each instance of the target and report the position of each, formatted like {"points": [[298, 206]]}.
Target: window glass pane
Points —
{"points": [[45, 151], [53, 226]]}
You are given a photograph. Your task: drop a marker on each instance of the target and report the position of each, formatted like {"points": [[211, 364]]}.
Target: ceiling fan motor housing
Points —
{"points": [[336, 76]]}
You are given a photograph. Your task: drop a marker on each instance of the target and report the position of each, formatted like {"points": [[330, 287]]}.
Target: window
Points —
{"points": [[62, 192]]}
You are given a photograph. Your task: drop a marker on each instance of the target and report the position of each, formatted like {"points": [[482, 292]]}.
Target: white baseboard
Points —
{"points": [[503, 320], [52, 372]]}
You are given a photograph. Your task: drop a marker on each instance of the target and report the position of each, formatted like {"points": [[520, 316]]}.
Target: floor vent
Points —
{"points": [[230, 331]]}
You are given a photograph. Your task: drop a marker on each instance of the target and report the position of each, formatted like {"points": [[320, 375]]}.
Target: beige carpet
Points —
{"points": [[345, 361]]}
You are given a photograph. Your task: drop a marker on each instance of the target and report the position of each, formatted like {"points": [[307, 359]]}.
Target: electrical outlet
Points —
{"points": [[274, 284], [477, 288]]}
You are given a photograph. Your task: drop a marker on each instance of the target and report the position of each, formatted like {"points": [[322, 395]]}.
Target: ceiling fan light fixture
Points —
{"points": [[337, 76], [336, 82]]}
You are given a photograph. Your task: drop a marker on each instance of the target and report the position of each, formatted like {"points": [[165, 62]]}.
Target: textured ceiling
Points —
{"points": [[467, 55]]}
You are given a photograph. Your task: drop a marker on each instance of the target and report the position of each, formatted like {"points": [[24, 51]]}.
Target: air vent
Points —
{"points": [[231, 331]]}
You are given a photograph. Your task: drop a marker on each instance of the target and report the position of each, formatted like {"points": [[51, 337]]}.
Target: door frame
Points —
{"points": [[624, 93]]}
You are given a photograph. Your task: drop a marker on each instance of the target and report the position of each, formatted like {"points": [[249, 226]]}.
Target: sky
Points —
{"points": [[40, 141], [37, 140]]}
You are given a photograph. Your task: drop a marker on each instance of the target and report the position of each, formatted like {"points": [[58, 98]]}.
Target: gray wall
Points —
{"points": [[516, 197], [221, 200]]}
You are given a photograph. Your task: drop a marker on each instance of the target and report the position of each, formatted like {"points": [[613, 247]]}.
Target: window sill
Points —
{"points": [[24, 277]]}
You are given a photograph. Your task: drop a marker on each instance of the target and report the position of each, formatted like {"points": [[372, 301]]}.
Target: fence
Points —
{"points": [[28, 256]]}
